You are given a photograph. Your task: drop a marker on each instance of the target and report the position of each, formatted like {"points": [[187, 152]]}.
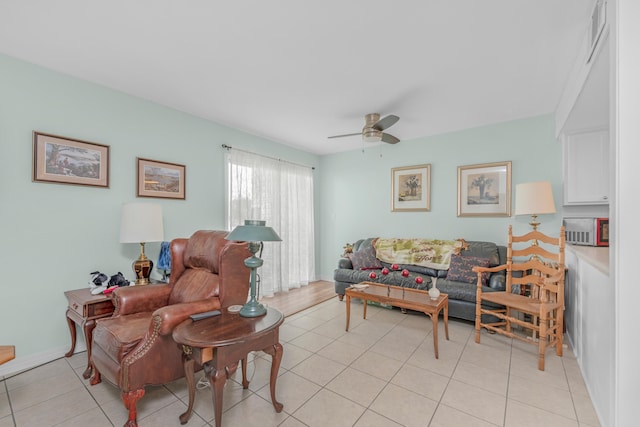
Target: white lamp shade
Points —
{"points": [[141, 223], [534, 198]]}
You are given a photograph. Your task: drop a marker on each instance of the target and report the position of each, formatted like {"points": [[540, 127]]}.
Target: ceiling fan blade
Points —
{"points": [[342, 136], [389, 139], [386, 122]]}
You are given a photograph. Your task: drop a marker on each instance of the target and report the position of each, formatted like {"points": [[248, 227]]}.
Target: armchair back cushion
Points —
{"points": [[199, 277], [202, 263]]}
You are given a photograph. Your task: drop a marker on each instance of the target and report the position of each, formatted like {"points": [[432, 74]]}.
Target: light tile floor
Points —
{"points": [[380, 373]]}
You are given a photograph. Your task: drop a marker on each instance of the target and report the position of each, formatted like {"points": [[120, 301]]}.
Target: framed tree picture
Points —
{"points": [[161, 179], [411, 188], [484, 189], [65, 160]]}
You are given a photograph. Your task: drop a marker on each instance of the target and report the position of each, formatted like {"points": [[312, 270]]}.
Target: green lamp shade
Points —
{"points": [[254, 231]]}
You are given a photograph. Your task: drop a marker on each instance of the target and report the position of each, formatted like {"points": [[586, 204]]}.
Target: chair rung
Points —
{"points": [[512, 320]]}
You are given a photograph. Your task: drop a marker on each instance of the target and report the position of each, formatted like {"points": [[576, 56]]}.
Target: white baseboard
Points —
{"points": [[24, 363]]}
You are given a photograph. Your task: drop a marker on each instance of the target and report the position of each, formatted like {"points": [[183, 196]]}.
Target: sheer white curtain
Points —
{"points": [[280, 193]]}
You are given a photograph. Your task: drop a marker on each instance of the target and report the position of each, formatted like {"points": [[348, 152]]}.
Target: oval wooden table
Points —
{"points": [[219, 343]]}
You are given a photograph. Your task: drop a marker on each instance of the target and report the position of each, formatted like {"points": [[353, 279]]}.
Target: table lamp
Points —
{"points": [[255, 232], [141, 223], [534, 198]]}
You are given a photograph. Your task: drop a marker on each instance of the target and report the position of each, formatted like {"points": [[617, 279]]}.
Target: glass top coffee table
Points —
{"points": [[397, 296]]}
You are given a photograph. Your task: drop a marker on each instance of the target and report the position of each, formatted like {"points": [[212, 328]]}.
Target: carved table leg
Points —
{"points": [[217, 378], [276, 357], [245, 383], [88, 336], [188, 363], [72, 330], [97, 378]]}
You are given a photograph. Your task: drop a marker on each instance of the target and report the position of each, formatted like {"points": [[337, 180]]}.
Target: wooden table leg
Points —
{"points": [[188, 362], [217, 378], [434, 321], [364, 312], [348, 304], [446, 320], [72, 330], [89, 326], [276, 357], [245, 383]]}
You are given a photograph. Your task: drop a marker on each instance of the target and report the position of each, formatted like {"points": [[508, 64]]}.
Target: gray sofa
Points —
{"points": [[462, 295]]}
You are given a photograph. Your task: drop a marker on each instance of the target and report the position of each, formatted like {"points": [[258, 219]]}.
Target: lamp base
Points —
{"points": [[253, 309], [142, 268]]}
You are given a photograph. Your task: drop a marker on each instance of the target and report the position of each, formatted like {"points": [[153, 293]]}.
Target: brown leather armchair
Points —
{"points": [[134, 348]]}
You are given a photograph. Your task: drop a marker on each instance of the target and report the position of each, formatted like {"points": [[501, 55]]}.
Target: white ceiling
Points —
{"points": [[297, 71]]}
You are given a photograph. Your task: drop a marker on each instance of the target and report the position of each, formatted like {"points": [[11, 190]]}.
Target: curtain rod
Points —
{"points": [[228, 147]]}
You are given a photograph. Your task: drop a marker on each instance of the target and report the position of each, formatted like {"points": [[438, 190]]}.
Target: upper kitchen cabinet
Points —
{"points": [[586, 167], [585, 134]]}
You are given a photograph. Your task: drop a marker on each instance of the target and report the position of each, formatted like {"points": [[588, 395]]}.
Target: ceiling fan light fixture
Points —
{"points": [[372, 135]]}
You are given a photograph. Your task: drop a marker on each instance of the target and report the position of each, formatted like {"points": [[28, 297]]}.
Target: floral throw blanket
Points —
{"points": [[426, 253]]}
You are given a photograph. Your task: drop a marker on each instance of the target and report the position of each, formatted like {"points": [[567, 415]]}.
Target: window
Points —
{"points": [[280, 193]]}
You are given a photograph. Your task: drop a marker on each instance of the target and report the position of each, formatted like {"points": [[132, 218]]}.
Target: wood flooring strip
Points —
{"points": [[296, 300]]}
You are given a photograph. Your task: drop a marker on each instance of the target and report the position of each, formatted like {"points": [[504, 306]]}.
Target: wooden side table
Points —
{"points": [[83, 310], [218, 343]]}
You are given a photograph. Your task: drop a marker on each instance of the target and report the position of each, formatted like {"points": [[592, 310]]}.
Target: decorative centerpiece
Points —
{"points": [[434, 292]]}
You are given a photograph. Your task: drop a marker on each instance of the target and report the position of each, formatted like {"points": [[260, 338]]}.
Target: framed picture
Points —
{"points": [[161, 179], [484, 190], [410, 188], [69, 161]]}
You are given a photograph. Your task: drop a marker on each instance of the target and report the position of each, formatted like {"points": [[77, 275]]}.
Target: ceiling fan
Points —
{"points": [[373, 127]]}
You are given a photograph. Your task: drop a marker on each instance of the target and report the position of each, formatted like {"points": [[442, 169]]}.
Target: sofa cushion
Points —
{"points": [[365, 259], [394, 278], [426, 271], [485, 250], [461, 267]]}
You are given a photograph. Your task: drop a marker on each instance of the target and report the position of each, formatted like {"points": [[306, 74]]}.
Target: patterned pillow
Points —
{"points": [[365, 259], [460, 269]]}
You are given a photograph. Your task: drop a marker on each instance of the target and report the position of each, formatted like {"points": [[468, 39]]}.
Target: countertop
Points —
{"points": [[596, 256]]}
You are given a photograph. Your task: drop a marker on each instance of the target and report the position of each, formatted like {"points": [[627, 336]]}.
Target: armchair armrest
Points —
{"points": [[136, 299], [172, 315], [345, 263]]}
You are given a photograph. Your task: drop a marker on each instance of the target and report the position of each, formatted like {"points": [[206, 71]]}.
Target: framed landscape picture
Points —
{"points": [[161, 179], [410, 188], [69, 161], [484, 189]]}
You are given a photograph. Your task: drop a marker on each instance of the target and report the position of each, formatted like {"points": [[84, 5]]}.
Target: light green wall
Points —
{"points": [[355, 186], [53, 235]]}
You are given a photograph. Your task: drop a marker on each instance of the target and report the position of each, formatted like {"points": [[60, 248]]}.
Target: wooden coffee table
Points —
{"points": [[397, 296], [219, 343]]}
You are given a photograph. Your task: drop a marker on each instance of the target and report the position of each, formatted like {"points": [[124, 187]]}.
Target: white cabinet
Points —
{"points": [[590, 323], [586, 167]]}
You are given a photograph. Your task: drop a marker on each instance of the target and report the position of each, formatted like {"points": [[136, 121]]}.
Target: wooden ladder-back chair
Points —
{"points": [[534, 294]]}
